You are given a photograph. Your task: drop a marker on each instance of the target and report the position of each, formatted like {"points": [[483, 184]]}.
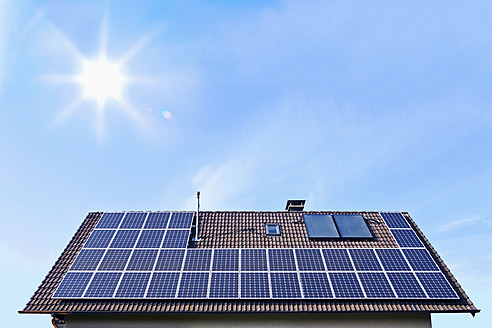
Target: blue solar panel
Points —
{"points": [[150, 239], [142, 260], [224, 285], [420, 260], [133, 221], [281, 260], [125, 239], [352, 226], [376, 285], [406, 238], [310, 260], [87, 260], [346, 285], [156, 220], [109, 221], [365, 260], [255, 285], [73, 285], [337, 260], [99, 239], [103, 285], [315, 285], [395, 220], [133, 285], [226, 260], [436, 285], [115, 260], [285, 285], [198, 260], [163, 285], [405, 285], [253, 260], [392, 260], [193, 285], [181, 220], [170, 260], [176, 239]]}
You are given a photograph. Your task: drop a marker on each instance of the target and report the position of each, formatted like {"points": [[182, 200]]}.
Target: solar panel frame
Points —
{"points": [[100, 239], [193, 285], [395, 220], [315, 285], [346, 285], [87, 260], [114, 260], [309, 259], [110, 220], [281, 259], [352, 226], [406, 238], [142, 260], [285, 285], [320, 226], [133, 220], [198, 260], [163, 285], [176, 239], [364, 259], [406, 285], [254, 259], [180, 220], [226, 259], [170, 260], [254, 285], [133, 285], [103, 285], [73, 285], [337, 259], [157, 220], [376, 285], [420, 259], [436, 285], [150, 239], [125, 239], [392, 259], [224, 285]]}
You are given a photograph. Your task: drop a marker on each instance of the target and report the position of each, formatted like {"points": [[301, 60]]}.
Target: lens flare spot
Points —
{"points": [[166, 114]]}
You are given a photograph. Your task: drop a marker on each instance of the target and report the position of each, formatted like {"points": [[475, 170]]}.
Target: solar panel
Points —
{"points": [[193, 285], [103, 285], [320, 226], [150, 239], [226, 260], [253, 260], [436, 285], [419, 259], [163, 285], [170, 260], [352, 226], [73, 285], [198, 260], [125, 239], [309, 260], [281, 260], [87, 260], [115, 260], [395, 220], [176, 239], [156, 220], [110, 221], [133, 285], [315, 285], [142, 260], [376, 285], [365, 260], [406, 285], [346, 285], [133, 221], [392, 260], [99, 239], [406, 238], [285, 285], [180, 220], [224, 285], [255, 285], [337, 260]]}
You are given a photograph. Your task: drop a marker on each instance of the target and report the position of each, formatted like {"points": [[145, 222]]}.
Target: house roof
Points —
{"points": [[221, 229]]}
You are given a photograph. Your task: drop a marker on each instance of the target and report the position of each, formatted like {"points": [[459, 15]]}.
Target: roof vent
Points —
{"points": [[295, 205]]}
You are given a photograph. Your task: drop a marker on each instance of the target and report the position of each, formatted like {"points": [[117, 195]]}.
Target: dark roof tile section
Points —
{"points": [[245, 230]]}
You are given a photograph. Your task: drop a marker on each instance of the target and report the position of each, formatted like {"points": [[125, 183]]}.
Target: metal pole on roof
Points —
{"points": [[197, 215]]}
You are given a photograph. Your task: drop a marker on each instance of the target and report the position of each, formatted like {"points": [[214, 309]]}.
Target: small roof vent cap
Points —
{"points": [[295, 205]]}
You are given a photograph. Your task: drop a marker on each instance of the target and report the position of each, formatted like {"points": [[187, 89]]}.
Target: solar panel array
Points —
{"points": [[145, 256]]}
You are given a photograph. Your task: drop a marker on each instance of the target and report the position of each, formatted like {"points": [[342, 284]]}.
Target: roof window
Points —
{"points": [[272, 229]]}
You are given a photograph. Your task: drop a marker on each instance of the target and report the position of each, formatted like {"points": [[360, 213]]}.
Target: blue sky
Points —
{"points": [[360, 106]]}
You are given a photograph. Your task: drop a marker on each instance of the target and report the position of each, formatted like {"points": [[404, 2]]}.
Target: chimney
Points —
{"points": [[295, 205]]}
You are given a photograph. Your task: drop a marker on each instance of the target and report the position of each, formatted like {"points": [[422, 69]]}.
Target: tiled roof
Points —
{"points": [[219, 229]]}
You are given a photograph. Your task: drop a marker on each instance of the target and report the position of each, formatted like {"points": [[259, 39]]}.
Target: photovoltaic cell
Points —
{"points": [[226, 260], [87, 260], [163, 285], [224, 285], [365, 260], [73, 285], [253, 260], [142, 260], [198, 260], [103, 285], [376, 285], [254, 285], [115, 260], [309, 259], [176, 239], [180, 220], [150, 239], [133, 221], [419, 259], [315, 285], [392, 260], [345, 285], [406, 238], [405, 285], [436, 285], [133, 285], [285, 285], [395, 220], [193, 285], [156, 220], [99, 239], [125, 239], [109, 221], [170, 260], [281, 260], [337, 260]]}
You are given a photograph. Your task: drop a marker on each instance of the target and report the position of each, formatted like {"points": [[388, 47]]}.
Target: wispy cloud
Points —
{"points": [[460, 223]]}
